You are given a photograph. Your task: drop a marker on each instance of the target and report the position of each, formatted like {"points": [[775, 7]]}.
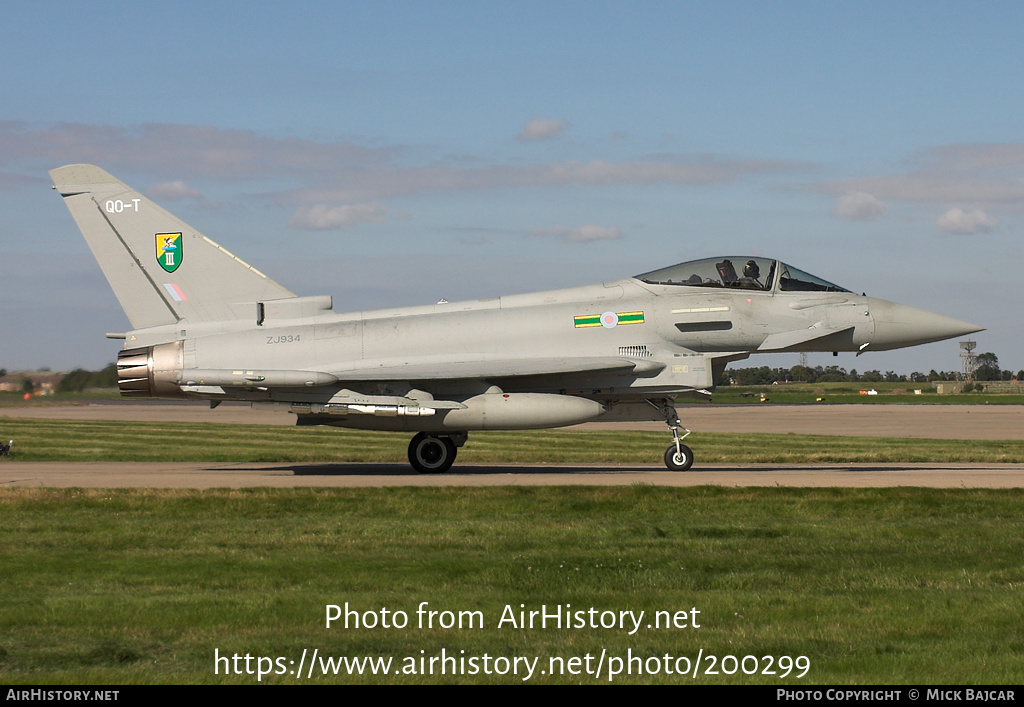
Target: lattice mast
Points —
{"points": [[969, 359]]}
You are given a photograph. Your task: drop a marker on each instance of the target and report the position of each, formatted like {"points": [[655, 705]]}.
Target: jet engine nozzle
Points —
{"points": [[150, 372]]}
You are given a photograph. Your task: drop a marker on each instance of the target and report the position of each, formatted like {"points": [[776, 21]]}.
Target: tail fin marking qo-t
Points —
{"points": [[162, 270]]}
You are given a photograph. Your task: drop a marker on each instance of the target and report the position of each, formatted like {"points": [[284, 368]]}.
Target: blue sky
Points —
{"points": [[393, 153]]}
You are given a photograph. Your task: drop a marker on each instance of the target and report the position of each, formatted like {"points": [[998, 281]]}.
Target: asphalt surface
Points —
{"points": [[993, 422], [204, 476], [934, 421]]}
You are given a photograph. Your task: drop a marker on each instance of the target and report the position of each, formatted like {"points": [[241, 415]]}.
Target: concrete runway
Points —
{"points": [[220, 475], [927, 421], [868, 420]]}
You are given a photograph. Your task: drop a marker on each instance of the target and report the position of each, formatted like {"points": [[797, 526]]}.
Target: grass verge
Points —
{"points": [[850, 393], [66, 440], [873, 586]]}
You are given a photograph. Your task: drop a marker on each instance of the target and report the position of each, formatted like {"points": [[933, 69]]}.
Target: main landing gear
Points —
{"points": [[431, 453], [435, 454], [678, 457]]}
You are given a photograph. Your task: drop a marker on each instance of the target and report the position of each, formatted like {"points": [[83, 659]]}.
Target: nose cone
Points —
{"points": [[897, 325]]}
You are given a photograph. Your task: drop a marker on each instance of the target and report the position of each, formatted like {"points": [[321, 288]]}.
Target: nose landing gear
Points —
{"points": [[678, 457]]}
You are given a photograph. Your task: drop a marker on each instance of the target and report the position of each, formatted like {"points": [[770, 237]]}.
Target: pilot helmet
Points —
{"points": [[751, 270]]}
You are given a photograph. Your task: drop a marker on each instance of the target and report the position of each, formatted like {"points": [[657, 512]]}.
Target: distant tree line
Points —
{"points": [[986, 369], [80, 379]]}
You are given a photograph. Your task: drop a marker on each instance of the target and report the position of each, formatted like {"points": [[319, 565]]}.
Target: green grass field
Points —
{"points": [[849, 393], [849, 586], [63, 440], [832, 393], [870, 586]]}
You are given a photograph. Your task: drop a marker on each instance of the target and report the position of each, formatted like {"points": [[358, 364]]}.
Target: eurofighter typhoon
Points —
{"points": [[206, 325]]}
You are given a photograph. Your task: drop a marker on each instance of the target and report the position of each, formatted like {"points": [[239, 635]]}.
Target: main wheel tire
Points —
{"points": [[676, 461], [431, 455]]}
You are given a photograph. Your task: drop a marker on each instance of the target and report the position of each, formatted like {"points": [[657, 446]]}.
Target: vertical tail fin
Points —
{"points": [[162, 270]]}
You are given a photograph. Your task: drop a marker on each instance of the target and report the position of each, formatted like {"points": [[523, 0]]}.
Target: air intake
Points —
{"points": [[635, 351]]}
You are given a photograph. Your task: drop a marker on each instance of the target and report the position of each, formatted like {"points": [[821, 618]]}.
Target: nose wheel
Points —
{"points": [[678, 457]]}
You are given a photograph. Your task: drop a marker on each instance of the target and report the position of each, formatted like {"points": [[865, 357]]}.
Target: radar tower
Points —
{"points": [[967, 354]]}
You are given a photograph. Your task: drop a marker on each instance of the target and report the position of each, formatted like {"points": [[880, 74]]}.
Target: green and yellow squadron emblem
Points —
{"points": [[168, 250]]}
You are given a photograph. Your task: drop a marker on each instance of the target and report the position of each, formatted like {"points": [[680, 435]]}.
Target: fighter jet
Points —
{"points": [[206, 325]]}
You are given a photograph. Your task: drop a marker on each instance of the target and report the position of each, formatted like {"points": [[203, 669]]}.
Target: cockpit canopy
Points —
{"points": [[740, 272]]}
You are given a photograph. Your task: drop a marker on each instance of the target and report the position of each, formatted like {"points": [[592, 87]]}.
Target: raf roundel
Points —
{"points": [[609, 320]]}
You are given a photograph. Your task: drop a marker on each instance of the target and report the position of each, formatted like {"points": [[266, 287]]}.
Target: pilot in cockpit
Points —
{"points": [[751, 273]]}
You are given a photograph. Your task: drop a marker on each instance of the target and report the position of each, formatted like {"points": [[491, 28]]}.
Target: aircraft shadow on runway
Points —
{"points": [[356, 469]]}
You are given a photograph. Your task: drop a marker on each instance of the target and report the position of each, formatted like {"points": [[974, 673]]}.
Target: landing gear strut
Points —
{"points": [[434, 454], [678, 457]]}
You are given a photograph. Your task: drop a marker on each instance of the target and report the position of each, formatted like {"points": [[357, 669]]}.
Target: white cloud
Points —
{"points": [[933, 188], [341, 172], [184, 150], [10, 180], [974, 156], [966, 222], [580, 234], [857, 206], [541, 129], [321, 217], [983, 174], [391, 181], [174, 191]]}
